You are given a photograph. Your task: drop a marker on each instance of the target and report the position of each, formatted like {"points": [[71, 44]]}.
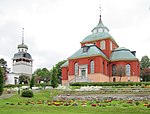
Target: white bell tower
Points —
{"points": [[22, 61]]}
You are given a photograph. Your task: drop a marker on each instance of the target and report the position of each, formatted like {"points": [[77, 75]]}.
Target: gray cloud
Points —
{"points": [[54, 28]]}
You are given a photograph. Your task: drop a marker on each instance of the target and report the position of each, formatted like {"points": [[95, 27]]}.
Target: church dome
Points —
{"points": [[22, 55], [97, 36], [122, 53]]}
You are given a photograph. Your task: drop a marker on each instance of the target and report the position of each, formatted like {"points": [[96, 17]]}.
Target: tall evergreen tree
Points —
{"points": [[145, 62], [54, 78], [3, 65], [1, 81], [32, 82], [58, 67], [145, 70]]}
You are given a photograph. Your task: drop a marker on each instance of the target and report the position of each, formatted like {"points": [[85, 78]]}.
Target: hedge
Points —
{"points": [[19, 85], [13, 86], [110, 83]]}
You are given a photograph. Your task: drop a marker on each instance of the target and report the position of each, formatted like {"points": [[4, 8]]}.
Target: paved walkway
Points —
{"points": [[5, 96]]}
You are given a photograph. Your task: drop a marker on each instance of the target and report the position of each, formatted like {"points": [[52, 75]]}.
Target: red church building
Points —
{"points": [[100, 59]]}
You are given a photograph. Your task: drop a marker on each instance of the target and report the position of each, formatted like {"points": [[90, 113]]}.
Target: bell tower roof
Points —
{"points": [[22, 45]]}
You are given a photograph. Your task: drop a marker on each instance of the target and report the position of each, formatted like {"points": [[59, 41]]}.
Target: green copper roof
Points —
{"points": [[22, 46], [122, 53], [92, 51], [20, 55], [99, 32], [97, 36], [65, 64]]}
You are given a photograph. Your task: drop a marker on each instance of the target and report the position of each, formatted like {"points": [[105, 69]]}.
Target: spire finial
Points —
{"points": [[23, 35]]}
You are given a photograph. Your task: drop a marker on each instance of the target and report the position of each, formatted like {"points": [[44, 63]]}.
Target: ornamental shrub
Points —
{"points": [[1, 81], [27, 93]]}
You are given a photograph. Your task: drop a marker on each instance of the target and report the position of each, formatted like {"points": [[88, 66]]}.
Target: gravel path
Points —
{"points": [[106, 96], [5, 96]]}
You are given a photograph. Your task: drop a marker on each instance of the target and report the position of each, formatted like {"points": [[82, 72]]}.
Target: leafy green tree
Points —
{"points": [[146, 74], [46, 75], [37, 75], [1, 81], [58, 67], [144, 66], [54, 78], [145, 62], [42, 75], [32, 82], [24, 79], [3, 65]]}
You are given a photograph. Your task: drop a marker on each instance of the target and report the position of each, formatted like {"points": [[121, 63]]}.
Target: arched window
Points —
{"points": [[128, 70], [92, 66], [102, 43], [110, 45], [113, 70], [76, 68]]}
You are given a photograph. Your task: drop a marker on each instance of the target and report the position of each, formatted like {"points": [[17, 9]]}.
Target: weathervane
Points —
{"points": [[100, 9], [23, 35]]}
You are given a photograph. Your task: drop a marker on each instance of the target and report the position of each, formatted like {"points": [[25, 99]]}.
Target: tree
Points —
{"points": [[24, 79], [37, 76], [146, 74], [120, 71], [42, 75], [58, 67], [144, 66], [54, 78], [3, 65], [1, 81], [32, 82], [145, 62]]}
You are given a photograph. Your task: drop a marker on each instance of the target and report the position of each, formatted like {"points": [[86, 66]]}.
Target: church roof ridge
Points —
{"points": [[92, 51]]}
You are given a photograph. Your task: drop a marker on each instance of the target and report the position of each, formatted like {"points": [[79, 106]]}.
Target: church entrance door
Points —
{"points": [[83, 73]]}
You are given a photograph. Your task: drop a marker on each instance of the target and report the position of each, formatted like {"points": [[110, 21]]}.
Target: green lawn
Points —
{"points": [[10, 106]]}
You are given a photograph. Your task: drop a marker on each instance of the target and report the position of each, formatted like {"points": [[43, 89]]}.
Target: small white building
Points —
{"points": [[22, 64]]}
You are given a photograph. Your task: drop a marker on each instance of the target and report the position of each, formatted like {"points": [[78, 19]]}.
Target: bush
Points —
{"points": [[137, 103], [27, 93], [1, 81]]}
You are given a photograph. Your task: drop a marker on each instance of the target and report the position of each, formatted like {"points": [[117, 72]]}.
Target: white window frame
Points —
{"points": [[103, 45], [128, 69], [92, 67], [76, 68]]}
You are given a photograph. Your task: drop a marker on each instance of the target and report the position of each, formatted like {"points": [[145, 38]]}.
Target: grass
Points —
{"points": [[117, 107]]}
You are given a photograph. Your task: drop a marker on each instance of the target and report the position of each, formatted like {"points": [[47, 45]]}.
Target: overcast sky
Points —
{"points": [[55, 28]]}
